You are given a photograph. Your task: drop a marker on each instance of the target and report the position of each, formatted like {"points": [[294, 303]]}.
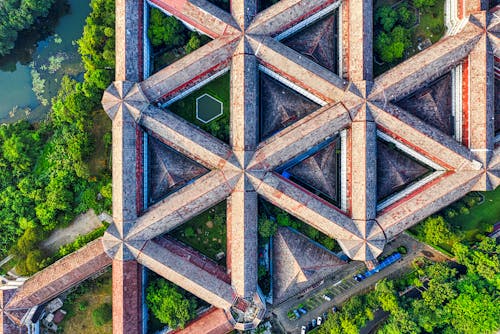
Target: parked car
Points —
{"points": [[297, 314], [303, 330], [320, 321], [314, 323], [359, 277], [309, 325], [325, 316], [303, 310], [327, 298], [334, 309]]}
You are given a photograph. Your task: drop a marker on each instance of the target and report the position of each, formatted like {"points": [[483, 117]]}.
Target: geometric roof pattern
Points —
{"points": [[395, 170], [299, 263], [318, 171], [352, 101], [318, 42]]}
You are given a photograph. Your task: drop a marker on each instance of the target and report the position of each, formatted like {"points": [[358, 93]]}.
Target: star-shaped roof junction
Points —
{"points": [[427, 166]]}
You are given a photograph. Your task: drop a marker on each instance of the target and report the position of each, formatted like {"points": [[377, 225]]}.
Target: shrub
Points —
{"points": [[451, 213], [193, 43], [405, 16], [102, 314], [262, 271], [424, 4], [82, 306], [267, 228], [464, 210], [470, 201], [189, 232]]}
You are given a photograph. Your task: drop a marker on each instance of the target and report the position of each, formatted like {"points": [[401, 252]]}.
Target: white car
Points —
{"points": [[327, 298], [303, 330], [320, 320]]}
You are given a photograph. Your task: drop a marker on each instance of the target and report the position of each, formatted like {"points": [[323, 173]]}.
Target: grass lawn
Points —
{"points": [[429, 21], [206, 233], [186, 108], [481, 217], [472, 226], [80, 306]]}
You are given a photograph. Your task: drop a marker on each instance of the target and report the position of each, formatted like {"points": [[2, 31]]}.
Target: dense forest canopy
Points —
{"points": [[16, 15], [44, 173]]}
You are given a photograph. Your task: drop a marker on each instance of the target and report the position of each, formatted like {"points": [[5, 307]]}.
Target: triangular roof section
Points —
{"points": [[299, 262], [401, 170], [283, 103], [168, 170], [10, 319], [317, 170], [316, 38], [433, 104]]}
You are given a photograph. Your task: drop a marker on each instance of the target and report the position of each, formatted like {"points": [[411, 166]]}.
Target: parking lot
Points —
{"points": [[342, 286]]}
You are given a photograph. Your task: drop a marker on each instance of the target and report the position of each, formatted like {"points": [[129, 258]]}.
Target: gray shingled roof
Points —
{"points": [[355, 101]]}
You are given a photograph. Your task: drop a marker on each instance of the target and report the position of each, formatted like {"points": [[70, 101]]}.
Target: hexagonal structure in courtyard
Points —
{"points": [[208, 108]]}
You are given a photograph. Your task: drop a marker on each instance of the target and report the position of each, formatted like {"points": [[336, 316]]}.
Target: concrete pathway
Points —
{"points": [[83, 224]]}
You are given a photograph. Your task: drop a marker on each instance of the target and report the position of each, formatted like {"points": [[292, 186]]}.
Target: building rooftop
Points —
{"points": [[331, 99]]}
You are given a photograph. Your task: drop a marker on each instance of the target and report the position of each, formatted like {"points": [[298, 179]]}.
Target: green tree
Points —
{"points": [[424, 4], [193, 43], [405, 16], [436, 230], [387, 17], [168, 304], [165, 31], [267, 227]]}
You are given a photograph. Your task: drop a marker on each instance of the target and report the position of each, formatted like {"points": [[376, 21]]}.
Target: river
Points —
{"points": [[41, 57]]}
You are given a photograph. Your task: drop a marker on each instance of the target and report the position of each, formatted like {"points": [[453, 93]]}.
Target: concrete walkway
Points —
{"points": [[83, 224]]}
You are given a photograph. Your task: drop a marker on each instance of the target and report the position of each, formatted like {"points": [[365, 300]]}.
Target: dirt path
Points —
{"points": [[83, 224]]}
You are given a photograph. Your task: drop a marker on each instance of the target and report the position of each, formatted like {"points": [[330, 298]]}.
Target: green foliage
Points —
{"points": [[44, 178], [387, 17], [262, 272], [79, 242], [189, 232], [267, 227], [168, 303], [436, 230], [165, 30], [16, 15], [392, 38], [82, 306], [450, 303], [102, 314], [354, 314], [193, 43], [424, 4], [405, 16]]}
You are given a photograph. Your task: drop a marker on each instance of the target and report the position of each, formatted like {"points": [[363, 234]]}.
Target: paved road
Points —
{"points": [[347, 287]]}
